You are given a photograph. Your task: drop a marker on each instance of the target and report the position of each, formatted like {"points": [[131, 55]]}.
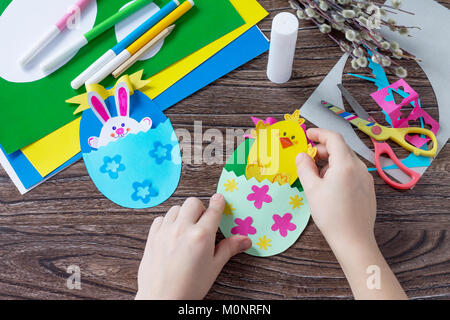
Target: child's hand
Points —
{"points": [[181, 260], [343, 205], [341, 195]]}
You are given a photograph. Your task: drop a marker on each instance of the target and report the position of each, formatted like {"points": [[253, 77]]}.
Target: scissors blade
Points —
{"points": [[350, 117], [359, 110]]}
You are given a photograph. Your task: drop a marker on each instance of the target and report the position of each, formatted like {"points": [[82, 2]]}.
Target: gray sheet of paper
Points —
{"points": [[429, 44], [432, 46]]}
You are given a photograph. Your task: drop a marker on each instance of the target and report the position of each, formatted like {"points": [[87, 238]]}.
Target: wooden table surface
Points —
{"points": [[66, 221]]}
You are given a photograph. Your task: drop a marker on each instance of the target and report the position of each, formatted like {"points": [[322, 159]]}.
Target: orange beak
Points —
{"points": [[285, 142]]}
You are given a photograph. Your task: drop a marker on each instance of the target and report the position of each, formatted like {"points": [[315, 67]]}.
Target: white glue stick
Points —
{"points": [[283, 40]]}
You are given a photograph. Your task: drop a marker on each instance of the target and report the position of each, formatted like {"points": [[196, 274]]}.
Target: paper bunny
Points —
{"points": [[118, 127]]}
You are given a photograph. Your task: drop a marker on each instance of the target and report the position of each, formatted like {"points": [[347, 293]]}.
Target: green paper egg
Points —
{"points": [[272, 215]]}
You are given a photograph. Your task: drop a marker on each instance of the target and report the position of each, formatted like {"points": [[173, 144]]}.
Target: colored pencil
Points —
{"points": [[122, 45], [130, 62], [58, 58], [52, 33], [141, 42]]}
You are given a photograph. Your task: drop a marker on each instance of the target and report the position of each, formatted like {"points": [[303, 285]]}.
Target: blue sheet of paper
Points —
{"points": [[27, 176]]}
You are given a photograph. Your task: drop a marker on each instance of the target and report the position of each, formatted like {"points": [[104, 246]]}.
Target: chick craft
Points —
{"points": [[273, 154]]}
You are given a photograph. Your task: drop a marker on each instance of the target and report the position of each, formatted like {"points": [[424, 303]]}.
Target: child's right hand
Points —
{"points": [[341, 195], [342, 200]]}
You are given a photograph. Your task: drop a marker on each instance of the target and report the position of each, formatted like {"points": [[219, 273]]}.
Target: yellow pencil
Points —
{"points": [[141, 42]]}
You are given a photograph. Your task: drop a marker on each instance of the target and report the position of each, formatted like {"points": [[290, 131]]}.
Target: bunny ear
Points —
{"points": [[123, 100], [98, 106]]}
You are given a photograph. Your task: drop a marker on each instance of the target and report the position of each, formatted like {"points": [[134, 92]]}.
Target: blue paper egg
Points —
{"points": [[139, 170]]}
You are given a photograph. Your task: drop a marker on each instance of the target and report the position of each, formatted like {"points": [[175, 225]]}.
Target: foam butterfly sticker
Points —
{"points": [[264, 198], [129, 147]]}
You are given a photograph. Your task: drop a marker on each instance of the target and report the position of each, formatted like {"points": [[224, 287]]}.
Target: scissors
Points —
{"points": [[380, 134]]}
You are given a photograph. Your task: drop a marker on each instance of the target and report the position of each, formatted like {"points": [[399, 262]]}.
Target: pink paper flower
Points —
{"points": [[260, 196], [283, 224], [244, 227]]}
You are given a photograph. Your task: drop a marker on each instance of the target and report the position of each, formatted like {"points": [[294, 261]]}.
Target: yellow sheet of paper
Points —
{"points": [[52, 151], [55, 149]]}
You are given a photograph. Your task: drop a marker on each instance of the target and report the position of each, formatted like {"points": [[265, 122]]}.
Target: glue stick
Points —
{"points": [[283, 41]]}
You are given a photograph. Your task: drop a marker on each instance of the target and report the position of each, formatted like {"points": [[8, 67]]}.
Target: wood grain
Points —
{"points": [[67, 221]]}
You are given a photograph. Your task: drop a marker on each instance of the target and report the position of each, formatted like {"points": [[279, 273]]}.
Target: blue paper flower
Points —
{"points": [[143, 191], [112, 166], [161, 153]]}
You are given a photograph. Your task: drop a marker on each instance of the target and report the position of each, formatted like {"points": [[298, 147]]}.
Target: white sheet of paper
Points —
{"points": [[12, 173], [25, 21]]}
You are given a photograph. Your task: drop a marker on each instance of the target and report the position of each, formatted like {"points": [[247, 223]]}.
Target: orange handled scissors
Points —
{"points": [[379, 134]]}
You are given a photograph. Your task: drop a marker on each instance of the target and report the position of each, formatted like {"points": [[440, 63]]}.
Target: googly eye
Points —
{"points": [[123, 125], [114, 128]]}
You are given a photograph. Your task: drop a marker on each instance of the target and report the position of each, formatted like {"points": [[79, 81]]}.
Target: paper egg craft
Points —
{"points": [[269, 208], [129, 147]]}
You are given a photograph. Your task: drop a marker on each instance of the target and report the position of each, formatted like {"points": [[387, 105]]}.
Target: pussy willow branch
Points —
{"points": [[352, 20]]}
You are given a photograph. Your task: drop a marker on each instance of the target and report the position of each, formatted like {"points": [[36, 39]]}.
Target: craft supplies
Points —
{"points": [[380, 133], [141, 42], [251, 11], [41, 112], [59, 57], [381, 81], [218, 43], [395, 113], [246, 47], [52, 33], [283, 41], [122, 45], [127, 64]]}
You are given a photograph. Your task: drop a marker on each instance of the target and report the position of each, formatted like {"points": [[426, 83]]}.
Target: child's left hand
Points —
{"points": [[181, 260]]}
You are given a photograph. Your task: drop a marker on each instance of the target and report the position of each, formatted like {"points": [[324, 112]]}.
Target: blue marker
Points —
{"points": [[125, 43]]}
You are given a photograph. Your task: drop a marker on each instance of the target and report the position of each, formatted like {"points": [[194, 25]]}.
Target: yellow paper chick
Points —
{"points": [[272, 155]]}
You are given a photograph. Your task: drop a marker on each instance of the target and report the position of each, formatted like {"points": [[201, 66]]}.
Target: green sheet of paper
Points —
{"points": [[38, 108]]}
